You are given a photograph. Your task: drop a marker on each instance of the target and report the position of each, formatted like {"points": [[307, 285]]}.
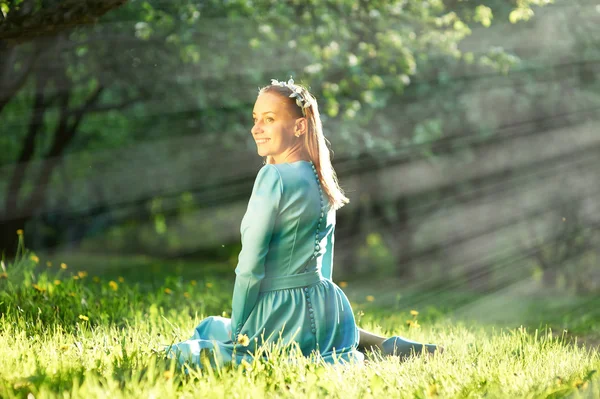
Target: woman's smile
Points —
{"points": [[261, 141]]}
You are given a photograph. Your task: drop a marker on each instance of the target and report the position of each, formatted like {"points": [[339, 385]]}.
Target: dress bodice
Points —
{"points": [[288, 229], [302, 235]]}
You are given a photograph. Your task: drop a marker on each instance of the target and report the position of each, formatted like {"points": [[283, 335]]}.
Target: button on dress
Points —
{"points": [[283, 289]]}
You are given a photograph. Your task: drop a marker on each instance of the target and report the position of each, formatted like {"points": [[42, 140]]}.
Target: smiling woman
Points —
{"points": [[278, 129], [283, 289]]}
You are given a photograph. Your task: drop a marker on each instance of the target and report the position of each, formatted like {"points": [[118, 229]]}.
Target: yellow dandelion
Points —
{"points": [[56, 282], [409, 322], [48, 263], [186, 294], [38, 288], [558, 381], [193, 282], [3, 275], [243, 340], [224, 314], [246, 365], [64, 347], [121, 279], [22, 384], [34, 258], [20, 232], [414, 313], [343, 284], [370, 298], [96, 279], [82, 274], [415, 324], [168, 374], [579, 383], [168, 291], [433, 390], [113, 285], [63, 266], [75, 277], [71, 294], [84, 318], [209, 285]]}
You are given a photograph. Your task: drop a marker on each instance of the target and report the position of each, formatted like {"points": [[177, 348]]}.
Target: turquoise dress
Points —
{"points": [[283, 289]]}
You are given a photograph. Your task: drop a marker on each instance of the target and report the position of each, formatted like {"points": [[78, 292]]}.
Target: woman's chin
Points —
{"points": [[262, 151]]}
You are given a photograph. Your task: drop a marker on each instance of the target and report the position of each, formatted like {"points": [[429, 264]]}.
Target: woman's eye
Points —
{"points": [[269, 120]]}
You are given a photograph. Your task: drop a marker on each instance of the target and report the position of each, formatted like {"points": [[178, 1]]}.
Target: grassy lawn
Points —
{"points": [[92, 328]]}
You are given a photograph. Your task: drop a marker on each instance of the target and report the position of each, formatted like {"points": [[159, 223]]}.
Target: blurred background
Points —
{"points": [[465, 133]]}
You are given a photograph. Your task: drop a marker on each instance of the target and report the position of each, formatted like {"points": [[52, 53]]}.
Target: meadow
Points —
{"points": [[71, 331]]}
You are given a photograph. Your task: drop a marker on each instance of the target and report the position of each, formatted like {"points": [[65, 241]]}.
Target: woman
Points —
{"points": [[283, 289]]}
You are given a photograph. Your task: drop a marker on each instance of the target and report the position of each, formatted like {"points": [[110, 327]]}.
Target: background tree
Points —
{"points": [[155, 92]]}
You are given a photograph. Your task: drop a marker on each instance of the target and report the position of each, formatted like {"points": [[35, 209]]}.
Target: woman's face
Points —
{"points": [[274, 127]]}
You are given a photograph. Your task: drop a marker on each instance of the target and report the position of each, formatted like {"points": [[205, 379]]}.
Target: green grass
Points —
{"points": [[100, 336]]}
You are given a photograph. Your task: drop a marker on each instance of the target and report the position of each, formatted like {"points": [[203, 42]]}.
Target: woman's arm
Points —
{"points": [[327, 263], [256, 230]]}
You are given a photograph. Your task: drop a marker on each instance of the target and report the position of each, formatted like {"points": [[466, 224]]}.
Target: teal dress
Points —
{"points": [[283, 288]]}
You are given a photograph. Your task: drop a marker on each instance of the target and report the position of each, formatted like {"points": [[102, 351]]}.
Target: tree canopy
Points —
{"points": [[78, 77]]}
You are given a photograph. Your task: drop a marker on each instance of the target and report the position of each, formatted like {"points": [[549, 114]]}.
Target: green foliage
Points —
{"points": [[360, 58], [400, 79]]}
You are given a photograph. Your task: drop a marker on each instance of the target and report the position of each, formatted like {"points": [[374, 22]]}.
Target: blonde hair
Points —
{"points": [[317, 146]]}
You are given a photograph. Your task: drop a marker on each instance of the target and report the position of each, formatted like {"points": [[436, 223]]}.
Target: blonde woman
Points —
{"points": [[283, 288]]}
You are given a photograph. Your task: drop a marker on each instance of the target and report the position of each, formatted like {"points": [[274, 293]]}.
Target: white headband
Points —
{"points": [[296, 92]]}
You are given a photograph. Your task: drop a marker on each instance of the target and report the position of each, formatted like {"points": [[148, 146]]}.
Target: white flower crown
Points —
{"points": [[296, 92]]}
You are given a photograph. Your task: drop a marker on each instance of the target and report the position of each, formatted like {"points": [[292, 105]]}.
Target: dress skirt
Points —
{"points": [[316, 319]]}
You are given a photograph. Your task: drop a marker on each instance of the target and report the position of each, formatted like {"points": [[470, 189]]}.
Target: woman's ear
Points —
{"points": [[300, 127]]}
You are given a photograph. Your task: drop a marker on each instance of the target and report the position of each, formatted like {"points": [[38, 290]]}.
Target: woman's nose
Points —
{"points": [[256, 128]]}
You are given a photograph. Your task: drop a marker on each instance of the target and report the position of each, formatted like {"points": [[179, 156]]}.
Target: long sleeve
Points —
{"points": [[327, 265], [256, 231]]}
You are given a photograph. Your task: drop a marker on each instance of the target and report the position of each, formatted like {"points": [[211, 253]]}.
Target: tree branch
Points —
{"points": [[37, 120], [28, 23], [112, 107], [8, 90], [63, 135], [85, 108]]}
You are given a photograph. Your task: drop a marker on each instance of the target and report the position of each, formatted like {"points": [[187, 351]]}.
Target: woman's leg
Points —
{"points": [[369, 341], [396, 345]]}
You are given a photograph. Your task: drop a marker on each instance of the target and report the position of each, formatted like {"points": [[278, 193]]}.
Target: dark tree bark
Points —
{"points": [[12, 81], [43, 24], [18, 210], [31, 20], [35, 124]]}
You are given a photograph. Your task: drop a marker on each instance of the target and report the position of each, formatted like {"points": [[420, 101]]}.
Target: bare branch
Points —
{"points": [[28, 23], [85, 108], [112, 107], [37, 120], [7, 91], [63, 135]]}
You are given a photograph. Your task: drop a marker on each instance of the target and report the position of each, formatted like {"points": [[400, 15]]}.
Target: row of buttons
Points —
{"points": [[316, 251]]}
